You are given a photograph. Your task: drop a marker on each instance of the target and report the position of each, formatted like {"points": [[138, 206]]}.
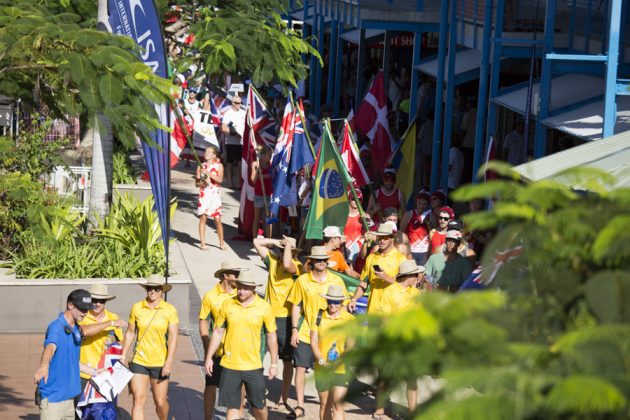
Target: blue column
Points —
{"points": [[413, 92], [540, 139], [450, 94], [482, 100], [319, 68], [386, 52], [491, 125], [360, 64], [332, 62], [439, 93], [312, 77], [610, 112], [338, 71]]}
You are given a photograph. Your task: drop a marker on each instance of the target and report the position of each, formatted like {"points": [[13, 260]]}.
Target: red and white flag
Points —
{"points": [[260, 129], [350, 156], [371, 121]]}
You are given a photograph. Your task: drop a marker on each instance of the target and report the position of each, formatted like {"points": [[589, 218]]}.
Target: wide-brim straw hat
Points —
{"points": [[291, 242], [335, 292], [229, 266], [408, 268], [384, 229], [318, 253], [156, 280], [99, 291], [247, 278]]}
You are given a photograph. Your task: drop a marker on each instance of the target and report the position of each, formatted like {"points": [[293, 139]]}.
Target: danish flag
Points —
{"points": [[371, 121], [350, 156]]}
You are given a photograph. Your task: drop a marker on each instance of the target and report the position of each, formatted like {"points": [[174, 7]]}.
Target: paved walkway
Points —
{"points": [[19, 354]]}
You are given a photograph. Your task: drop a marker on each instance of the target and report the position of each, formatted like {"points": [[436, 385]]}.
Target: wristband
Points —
{"points": [[274, 365], [112, 323], [294, 328]]}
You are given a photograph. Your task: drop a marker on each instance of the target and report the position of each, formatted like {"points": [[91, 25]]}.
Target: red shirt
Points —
{"points": [[394, 199], [418, 233], [265, 175], [437, 240], [353, 229]]}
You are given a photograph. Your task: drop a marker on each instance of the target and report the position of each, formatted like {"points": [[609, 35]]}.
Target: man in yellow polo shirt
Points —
{"points": [[284, 268], [243, 319], [208, 316], [97, 326], [380, 269], [397, 297], [307, 301]]}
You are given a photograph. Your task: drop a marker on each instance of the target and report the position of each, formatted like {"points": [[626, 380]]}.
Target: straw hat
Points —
{"points": [[228, 266], [247, 278], [409, 267], [99, 291], [335, 292], [156, 280], [384, 229], [318, 253], [292, 242], [332, 232]]}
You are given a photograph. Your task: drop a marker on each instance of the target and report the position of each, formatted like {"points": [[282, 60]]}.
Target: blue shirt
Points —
{"points": [[64, 382]]}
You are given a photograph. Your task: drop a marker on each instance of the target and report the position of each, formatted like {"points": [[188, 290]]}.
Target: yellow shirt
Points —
{"points": [[243, 329], [307, 293], [397, 297], [389, 264], [210, 307], [279, 285], [326, 337], [93, 347], [151, 348]]}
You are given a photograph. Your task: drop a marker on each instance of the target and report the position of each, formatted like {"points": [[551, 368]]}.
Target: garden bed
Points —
{"points": [[28, 305]]}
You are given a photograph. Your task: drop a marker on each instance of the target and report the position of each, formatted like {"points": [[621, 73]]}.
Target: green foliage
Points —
{"points": [[127, 244], [555, 342], [246, 37], [123, 172], [50, 54], [30, 153]]}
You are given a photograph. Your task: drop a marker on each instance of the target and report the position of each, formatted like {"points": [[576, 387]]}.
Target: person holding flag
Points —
{"points": [[291, 154], [260, 177]]}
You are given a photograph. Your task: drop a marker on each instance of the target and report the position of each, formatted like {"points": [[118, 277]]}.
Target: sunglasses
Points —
{"points": [[154, 289], [99, 301], [445, 218], [236, 103], [334, 302]]}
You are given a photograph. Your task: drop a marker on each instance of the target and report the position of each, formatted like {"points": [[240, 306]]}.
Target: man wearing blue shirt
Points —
{"points": [[58, 374]]}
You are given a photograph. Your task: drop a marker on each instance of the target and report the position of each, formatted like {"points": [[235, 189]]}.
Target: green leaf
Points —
{"points": [[607, 294], [110, 89], [585, 395]]}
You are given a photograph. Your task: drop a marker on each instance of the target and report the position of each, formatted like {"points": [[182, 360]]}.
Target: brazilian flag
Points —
{"points": [[329, 202]]}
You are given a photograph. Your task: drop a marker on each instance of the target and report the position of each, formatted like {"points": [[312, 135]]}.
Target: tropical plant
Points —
{"points": [[30, 153], [241, 37], [555, 342], [123, 172]]}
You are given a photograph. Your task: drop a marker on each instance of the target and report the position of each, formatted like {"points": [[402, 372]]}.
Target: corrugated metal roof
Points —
{"points": [[611, 154]]}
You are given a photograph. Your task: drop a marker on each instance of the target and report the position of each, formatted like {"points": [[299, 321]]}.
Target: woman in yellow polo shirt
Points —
{"points": [[328, 344], [155, 323]]}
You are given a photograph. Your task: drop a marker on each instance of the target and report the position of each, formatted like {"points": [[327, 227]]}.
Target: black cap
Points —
{"points": [[454, 225], [81, 299]]}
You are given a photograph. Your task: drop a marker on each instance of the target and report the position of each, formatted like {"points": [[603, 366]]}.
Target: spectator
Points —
{"points": [[456, 267]]}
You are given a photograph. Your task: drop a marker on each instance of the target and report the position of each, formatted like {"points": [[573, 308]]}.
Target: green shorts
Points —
{"points": [[326, 381], [233, 380], [303, 356]]}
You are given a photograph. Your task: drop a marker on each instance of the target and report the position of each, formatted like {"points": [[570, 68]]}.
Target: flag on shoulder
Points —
{"points": [[260, 130], [350, 157], [291, 154], [371, 121], [329, 202], [403, 159]]}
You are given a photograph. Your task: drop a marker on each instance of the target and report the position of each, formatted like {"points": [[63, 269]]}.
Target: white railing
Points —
{"points": [[73, 181]]}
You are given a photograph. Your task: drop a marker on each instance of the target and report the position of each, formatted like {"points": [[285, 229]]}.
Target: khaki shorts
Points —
{"points": [[63, 410]]}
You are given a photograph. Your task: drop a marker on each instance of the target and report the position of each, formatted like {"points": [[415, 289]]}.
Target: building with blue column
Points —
{"points": [[556, 67]]}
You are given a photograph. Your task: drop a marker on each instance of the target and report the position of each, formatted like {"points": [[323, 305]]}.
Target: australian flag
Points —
{"points": [[290, 155]]}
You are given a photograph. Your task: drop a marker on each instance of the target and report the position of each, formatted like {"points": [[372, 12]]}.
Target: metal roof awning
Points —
{"points": [[586, 122], [354, 35], [467, 63], [566, 90], [611, 154]]}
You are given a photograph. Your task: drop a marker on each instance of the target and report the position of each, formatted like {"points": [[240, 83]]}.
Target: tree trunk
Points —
{"points": [[103, 148]]}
